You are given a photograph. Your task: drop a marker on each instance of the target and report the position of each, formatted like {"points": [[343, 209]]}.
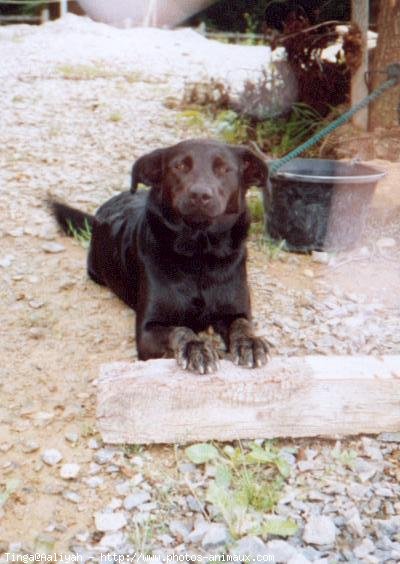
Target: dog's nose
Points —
{"points": [[200, 195]]}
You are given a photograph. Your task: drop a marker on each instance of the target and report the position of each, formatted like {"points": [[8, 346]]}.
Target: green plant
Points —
{"points": [[246, 486], [193, 118], [85, 72], [345, 457], [256, 207], [231, 127], [9, 488], [115, 117], [82, 236]]}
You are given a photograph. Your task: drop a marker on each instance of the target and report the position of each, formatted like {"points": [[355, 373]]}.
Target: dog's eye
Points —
{"points": [[182, 166], [221, 168]]}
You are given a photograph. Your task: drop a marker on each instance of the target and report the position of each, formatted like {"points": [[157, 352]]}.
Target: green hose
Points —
{"points": [[393, 72]]}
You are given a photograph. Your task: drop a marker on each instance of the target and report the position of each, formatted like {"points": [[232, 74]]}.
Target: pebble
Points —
{"points": [[364, 548], [110, 521], [386, 242], [216, 536], [249, 546], [280, 550], [104, 456], [30, 446], [179, 530], [94, 481], [71, 436], [6, 261], [390, 437], [73, 497], [51, 456], [319, 530], [69, 471], [194, 504], [200, 529], [321, 257], [51, 247], [135, 499], [298, 559]]}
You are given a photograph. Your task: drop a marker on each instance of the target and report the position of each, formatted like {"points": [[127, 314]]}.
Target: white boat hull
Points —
{"points": [[133, 13]]}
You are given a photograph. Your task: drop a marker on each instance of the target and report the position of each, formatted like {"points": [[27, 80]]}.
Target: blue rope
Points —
{"points": [[392, 72]]}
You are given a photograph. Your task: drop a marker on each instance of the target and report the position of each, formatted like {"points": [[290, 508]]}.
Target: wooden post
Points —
{"points": [[156, 402], [360, 16]]}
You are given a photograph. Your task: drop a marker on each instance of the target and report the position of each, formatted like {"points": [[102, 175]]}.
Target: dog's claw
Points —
{"points": [[198, 356], [251, 352]]}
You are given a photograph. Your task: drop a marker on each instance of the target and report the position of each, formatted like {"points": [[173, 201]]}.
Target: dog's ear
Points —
{"points": [[254, 168], [148, 170]]}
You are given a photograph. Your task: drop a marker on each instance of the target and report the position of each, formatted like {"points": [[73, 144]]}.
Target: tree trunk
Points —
{"points": [[384, 112], [360, 16]]}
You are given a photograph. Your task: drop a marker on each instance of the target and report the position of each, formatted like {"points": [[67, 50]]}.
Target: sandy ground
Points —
{"points": [[76, 134]]}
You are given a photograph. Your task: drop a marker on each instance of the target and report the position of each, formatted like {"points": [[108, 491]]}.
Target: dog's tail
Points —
{"points": [[70, 220]]}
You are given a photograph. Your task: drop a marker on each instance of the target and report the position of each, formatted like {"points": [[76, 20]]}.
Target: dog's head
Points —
{"points": [[200, 180]]}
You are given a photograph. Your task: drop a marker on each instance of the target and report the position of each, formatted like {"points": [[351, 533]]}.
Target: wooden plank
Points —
{"points": [[156, 402]]}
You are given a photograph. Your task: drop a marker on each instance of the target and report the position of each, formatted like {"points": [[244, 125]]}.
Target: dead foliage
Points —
{"points": [[322, 84]]}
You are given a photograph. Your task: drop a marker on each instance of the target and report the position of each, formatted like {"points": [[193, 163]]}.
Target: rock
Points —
{"points": [[194, 504], [250, 546], [390, 437], [200, 529], [319, 530], [93, 444], [104, 455], [179, 530], [354, 523], [110, 521], [373, 453], [216, 536], [71, 436], [51, 247], [6, 261], [69, 471], [166, 540], [113, 540], [30, 446], [321, 257], [386, 242], [364, 469], [114, 503], [51, 456], [73, 497], [135, 499], [298, 559], [364, 548], [358, 491], [389, 526], [280, 550], [94, 481], [17, 232], [186, 468]]}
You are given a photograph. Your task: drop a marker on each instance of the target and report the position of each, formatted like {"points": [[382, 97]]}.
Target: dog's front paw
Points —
{"points": [[249, 351], [197, 356]]}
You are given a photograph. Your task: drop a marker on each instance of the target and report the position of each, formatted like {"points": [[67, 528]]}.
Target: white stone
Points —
{"points": [[281, 550], [110, 521], [135, 499], [69, 471], [51, 247], [216, 536], [51, 456], [319, 530]]}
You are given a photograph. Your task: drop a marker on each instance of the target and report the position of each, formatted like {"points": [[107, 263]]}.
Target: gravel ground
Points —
{"points": [[81, 101]]}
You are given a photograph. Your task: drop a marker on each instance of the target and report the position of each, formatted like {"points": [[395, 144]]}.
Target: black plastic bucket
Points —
{"points": [[319, 204]]}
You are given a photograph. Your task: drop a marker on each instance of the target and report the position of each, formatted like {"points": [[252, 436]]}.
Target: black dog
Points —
{"points": [[176, 253]]}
